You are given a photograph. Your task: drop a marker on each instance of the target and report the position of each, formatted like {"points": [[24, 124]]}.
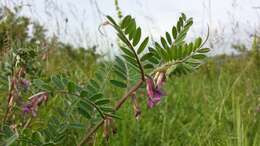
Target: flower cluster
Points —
{"points": [[34, 102], [154, 91]]}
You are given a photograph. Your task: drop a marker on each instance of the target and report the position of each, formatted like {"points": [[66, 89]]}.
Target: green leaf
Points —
{"points": [[92, 104], [180, 38], [127, 52], [199, 56], [107, 109], [84, 112], [99, 76], [102, 101], [133, 66], [111, 20], [143, 45], [91, 89], [83, 93], [179, 24], [57, 81], [132, 35], [190, 48], [155, 53], [96, 96], [137, 36], [126, 21], [198, 42], [174, 32], [181, 21], [131, 27], [123, 38], [94, 83], [184, 30], [168, 37], [146, 56], [189, 23], [203, 50], [120, 69], [154, 60], [121, 63], [76, 126], [174, 52], [84, 104], [161, 51], [42, 85], [185, 50], [131, 60], [179, 52], [183, 16], [118, 83], [193, 61], [71, 87], [164, 43], [120, 74], [188, 67], [148, 66]]}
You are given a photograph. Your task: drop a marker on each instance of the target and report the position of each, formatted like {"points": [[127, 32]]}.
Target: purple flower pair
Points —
{"points": [[154, 92]]}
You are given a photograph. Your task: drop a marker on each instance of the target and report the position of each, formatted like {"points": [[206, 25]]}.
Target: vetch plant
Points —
{"points": [[141, 69], [150, 66]]}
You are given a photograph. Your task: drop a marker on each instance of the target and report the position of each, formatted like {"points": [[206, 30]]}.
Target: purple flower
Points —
{"points": [[25, 83], [34, 102], [154, 93], [152, 101], [26, 109]]}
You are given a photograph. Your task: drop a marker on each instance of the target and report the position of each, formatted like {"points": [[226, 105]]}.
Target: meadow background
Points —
{"points": [[217, 105]]}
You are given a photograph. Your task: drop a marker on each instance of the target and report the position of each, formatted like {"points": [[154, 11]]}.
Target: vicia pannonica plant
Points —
{"points": [[142, 69], [151, 66]]}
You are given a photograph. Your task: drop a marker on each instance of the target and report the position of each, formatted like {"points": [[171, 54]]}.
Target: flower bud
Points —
{"points": [[136, 107], [160, 80], [106, 128]]}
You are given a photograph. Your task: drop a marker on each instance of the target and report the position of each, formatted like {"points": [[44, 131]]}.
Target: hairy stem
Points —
{"points": [[117, 107]]}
